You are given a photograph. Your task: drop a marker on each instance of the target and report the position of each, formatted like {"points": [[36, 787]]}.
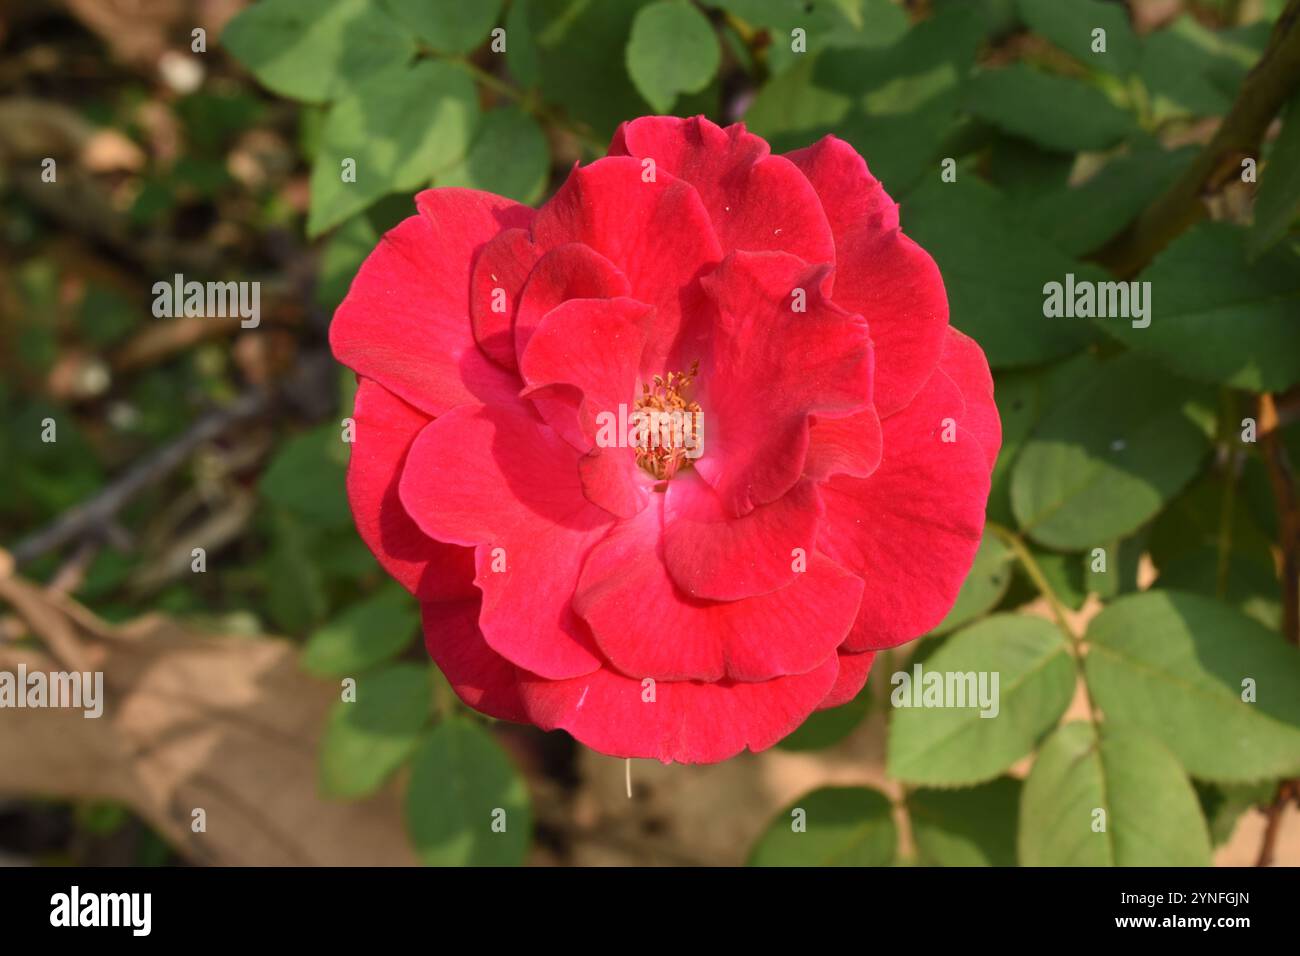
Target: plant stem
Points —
{"points": [[1266, 88], [528, 103], [1039, 579]]}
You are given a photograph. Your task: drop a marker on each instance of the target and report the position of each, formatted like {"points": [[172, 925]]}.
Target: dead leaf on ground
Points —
{"points": [[227, 724]]}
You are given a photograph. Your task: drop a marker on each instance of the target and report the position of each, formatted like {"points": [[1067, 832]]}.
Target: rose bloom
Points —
{"points": [[694, 590]]}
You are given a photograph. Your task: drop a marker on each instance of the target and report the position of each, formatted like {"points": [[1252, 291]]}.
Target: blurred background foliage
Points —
{"points": [[1143, 543]]}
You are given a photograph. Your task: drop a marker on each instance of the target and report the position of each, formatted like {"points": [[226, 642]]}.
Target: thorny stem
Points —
{"points": [[1266, 88], [1282, 478]]}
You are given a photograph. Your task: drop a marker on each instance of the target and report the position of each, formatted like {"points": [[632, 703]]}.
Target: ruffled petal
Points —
{"points": [[910, 530], [781, 352], [501, 480], [657, 233], [880, 274], [712, 555], [480, 676], [964, 363], [498, 278], [405, 321], [594, 345], [852, 677], [757, 202], [569, 271], [675, 721], [844, 446], [385, 428], [648, 627]]}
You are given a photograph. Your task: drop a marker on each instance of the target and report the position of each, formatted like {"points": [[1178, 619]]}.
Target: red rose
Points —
{"points": [[681, 586]]}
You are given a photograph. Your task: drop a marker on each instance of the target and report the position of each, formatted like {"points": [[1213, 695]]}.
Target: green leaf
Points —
{"points": [[1117, 573], [316, 50], [1069, 25], [1053, 111], [672, 50], [895, 104], [466, 805], [1152, 817], [824, 728], [1080, 219], [832, 826], [984, 585], [365, 634], [1064, 572], [1190, 69], [449, 27], [1251, 586], [509, 157], [1223, 804], [970, 827], [295, 586], [1278, 201], [1017, 397], [1107, 458], [342, 256], [955, 745], [575, 51], [994, 270], [1187, 541], [401, 127], [367, 739], [835, 23], [1174, 664], [307, 477], [1218, 317]]}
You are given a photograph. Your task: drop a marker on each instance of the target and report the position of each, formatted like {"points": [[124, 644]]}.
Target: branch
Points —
{"points": [[1282, 478], [93, 515], [1266, 88], [1273, 822]]}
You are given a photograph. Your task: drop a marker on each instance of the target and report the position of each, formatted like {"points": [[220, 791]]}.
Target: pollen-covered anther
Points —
{"points": [[668, 424]]}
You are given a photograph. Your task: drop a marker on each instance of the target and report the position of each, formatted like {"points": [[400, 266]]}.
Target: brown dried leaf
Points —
{"points": [[228, 724]]}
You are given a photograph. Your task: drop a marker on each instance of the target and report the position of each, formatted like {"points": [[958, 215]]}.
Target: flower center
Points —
{"points": [[669, 427]]}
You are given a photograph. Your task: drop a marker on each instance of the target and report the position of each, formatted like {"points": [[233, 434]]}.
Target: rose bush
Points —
{"points": [[652, 603]]}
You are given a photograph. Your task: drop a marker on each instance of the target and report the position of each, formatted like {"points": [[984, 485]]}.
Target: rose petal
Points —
{"points": [[712, 555], [385, 428], [844, 446], [781, 352], [501, 480], [405, 321], [854, 669], [595, 345], [964, 363], [880, 274], [647, 627], [498, 278], [480, 676], [682, 721], [656, 232], [757, 202], [910, 530], [570, 271]]}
